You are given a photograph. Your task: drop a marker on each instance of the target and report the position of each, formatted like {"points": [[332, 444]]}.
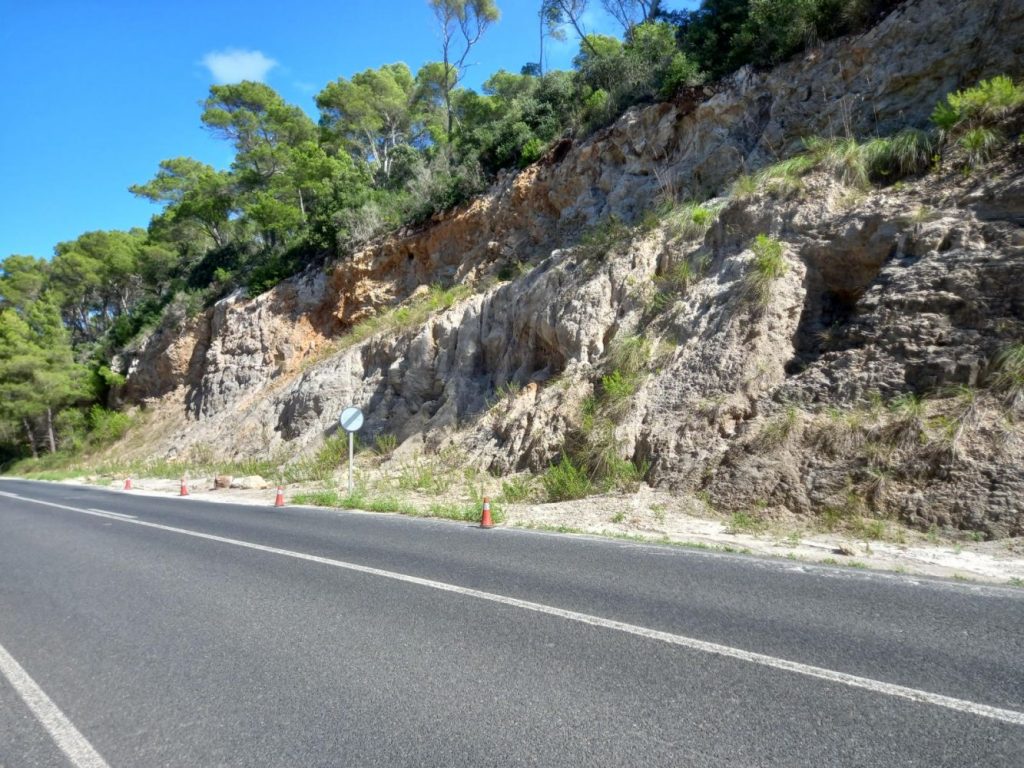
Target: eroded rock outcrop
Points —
{"points": [[909, 290]]}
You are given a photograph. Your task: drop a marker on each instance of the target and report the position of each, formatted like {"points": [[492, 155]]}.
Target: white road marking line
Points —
{"points": [[115, 514], [854, 681], [70, 740]]}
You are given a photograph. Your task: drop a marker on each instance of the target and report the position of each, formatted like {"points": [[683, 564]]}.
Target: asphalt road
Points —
{"points": [[198, 634]]}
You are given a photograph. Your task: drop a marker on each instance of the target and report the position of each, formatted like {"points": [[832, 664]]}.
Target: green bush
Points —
{"points": [[106, 427], [617, 388], [984, 104], [565, 481]]}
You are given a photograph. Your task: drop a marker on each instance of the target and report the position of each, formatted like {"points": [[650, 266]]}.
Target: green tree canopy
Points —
{"points": [[372, 114], [192, 193]]}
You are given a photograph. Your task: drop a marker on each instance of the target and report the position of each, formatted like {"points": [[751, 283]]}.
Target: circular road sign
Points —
{"points": [[351, 419]]}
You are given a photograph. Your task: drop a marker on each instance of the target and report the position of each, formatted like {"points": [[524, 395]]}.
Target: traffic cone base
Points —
{"points": [[485, 519]]}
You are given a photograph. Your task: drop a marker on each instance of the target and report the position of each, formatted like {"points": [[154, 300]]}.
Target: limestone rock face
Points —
{"points": [[911, 290]]}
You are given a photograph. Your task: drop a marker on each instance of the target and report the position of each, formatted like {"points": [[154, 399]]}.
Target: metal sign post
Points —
{"points": [[351, 421]]}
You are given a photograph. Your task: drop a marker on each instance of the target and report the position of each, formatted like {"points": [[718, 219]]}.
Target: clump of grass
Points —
{"points": [[616, 389], [385, 443], [692, 220], [868, 529], [841, 432], [516, 490], [963, 416], [768, 266], [606, 236], [322, 465], [565, 481], [1008, 378], [629, 355], [468, 512], [785, 178], [980, 144], [906, 153], [744, 522], [420, 475], [505, 393], [907, 429], [676, 281], [844, 158], [326, 498], [778, 430], [659, 511], [744, 187], [388, 504]]}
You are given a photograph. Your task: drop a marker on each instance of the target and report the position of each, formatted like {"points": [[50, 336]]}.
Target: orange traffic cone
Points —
{"points": [[485, 520], [184, 488], [279, 501], [127, 483]]}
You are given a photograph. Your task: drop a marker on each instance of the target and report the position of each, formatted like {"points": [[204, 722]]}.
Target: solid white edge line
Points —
{"points": [[70, 740], [877, 686]]}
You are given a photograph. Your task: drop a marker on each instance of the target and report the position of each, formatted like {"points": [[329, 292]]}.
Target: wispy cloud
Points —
{"points": [[233, 65]]}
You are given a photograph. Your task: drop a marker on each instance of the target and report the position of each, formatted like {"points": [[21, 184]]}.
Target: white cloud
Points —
{"points": [[233, 65]]}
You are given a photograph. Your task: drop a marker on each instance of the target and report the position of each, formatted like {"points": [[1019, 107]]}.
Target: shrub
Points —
{"points": [[565, 481], [71, 425], [106, 427], [984, 104]]}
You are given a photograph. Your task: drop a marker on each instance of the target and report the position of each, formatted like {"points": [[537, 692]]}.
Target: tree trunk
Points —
{"points": [[540, 61], [31, 437], [49, 431]]}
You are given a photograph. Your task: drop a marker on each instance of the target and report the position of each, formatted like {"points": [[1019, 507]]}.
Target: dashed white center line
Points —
{"points": [[114, 514]]}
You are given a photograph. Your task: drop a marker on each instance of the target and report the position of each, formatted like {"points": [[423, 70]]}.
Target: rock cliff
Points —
{"points": [[805, 401]]}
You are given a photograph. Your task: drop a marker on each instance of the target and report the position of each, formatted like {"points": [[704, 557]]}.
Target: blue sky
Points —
{"points": [[96, 93]]}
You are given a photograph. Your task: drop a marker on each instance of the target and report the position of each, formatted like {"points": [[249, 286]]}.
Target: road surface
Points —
{"points": [[156, 631]]}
